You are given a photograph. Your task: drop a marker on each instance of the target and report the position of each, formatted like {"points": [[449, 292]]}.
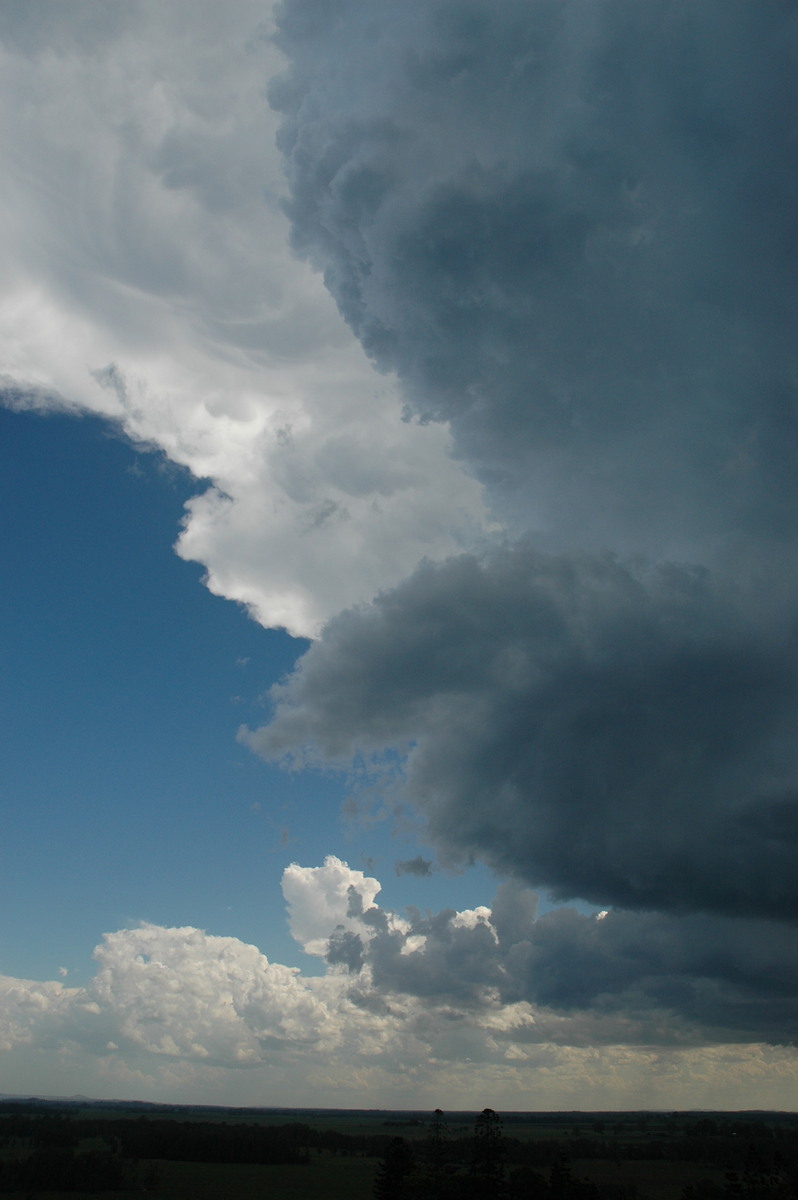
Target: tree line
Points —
{"points": [[762, 1164]]}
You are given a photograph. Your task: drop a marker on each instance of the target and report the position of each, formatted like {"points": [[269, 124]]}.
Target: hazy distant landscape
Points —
{"points": [[176, 1152]]}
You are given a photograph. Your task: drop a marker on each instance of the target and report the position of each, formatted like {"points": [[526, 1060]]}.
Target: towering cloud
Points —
{"points": [[569, 228], [323, 899]]}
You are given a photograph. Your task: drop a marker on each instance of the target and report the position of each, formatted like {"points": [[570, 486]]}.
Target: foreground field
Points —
{"points": [[325, 1177], [49, 1150]]}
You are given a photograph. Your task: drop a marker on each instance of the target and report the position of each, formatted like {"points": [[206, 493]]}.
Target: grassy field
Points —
{"points": [[326, 1177], [333, 1178], [654, 1180]]}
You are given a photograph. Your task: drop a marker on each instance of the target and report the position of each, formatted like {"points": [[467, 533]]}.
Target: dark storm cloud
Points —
{"points": [[458, 963], [627, 738], [569, 227], [620, 976]]}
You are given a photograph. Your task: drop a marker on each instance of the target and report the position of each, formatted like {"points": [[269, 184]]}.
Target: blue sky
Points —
{"points": [[398, 430], [140, 679], [124, 684]]}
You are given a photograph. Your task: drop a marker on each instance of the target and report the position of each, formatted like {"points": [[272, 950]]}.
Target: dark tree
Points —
{"points": [[436, 1175], [486, 1174], [564, 1186], [393, 1173]]}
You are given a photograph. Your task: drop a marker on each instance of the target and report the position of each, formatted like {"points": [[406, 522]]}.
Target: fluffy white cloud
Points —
{"points": [[184, 992], [147, 277], [26, 1007], [174, 992], [321, 899]]}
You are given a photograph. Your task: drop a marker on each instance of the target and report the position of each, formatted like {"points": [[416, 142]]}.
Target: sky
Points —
{"points": [[398, 433]]}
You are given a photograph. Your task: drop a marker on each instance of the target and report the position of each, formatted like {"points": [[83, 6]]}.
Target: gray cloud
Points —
{"points": [[419, 866], [617, 735], [345, 949], [87, 24], [569, 228], [638, 978]]}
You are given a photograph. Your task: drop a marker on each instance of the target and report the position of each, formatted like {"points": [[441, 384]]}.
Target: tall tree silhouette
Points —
{"points": [[486, 1174], [393, 1173]]}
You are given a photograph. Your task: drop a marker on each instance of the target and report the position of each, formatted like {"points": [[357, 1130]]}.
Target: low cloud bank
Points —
{"points": [[414, 997]]}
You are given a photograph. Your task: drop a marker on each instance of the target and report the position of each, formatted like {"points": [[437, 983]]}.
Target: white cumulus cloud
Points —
{"points": [[147, 278], [322, 898]]}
